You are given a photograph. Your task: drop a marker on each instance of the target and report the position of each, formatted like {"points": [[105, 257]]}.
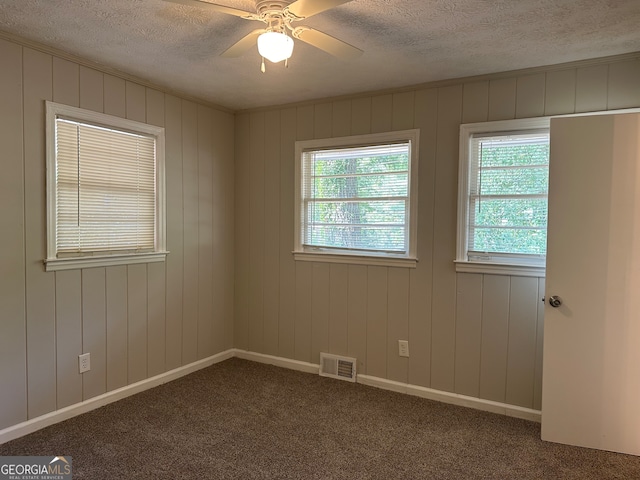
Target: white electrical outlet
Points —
{"points": [[84, 362], [403, 348]]}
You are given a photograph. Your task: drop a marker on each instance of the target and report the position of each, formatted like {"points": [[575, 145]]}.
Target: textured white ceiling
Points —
{"points": [[406, 42]]}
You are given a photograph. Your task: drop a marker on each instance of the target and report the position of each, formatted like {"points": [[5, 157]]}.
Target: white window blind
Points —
{"points": [[106, 190], [508, 187], [357, 199]]}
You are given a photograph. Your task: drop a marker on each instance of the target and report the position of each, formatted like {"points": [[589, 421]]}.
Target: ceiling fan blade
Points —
{"points": [[217, 8], [326, 42], [242, 45], [306, 8]]}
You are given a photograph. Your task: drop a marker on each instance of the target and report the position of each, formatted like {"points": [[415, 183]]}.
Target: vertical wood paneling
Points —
{"points": [[156, 288], [560, 92], [402, 110], [117, 331], [495, 335], [190, 194], [256, 232], [624, 78], [523, 319], [136, 108], [357, 316], [397, 323], [223, 227], [444, 277], [156, 318], [475, 102], [286, 321], [116, 313], [205, 233], [66, 90], [420, 278], [174, 205], [116, 277], [377, 304], [537, 385], [66, 82], [530, 96], [137, 322], [135, 325], [304, 270], [381, 113], [591, 88], [94, 326], [468, 334], [341, 123], [91, 89], [40, 291], [68, 337], [303, 296], [137, 286], [320, 310], [502, 99], [271, 231], [13, 351], [115, 97], [338, 309], [242, 265], [361, 116], [322, 116]]}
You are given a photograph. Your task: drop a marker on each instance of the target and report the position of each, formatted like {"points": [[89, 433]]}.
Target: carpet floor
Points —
{"points": [[245, 420]]}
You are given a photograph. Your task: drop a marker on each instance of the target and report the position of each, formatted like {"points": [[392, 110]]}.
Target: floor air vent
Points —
{"points": [[335, 366]]}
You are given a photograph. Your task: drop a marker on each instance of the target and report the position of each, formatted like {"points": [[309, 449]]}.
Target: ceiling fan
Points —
{"points": [[275, 41]]}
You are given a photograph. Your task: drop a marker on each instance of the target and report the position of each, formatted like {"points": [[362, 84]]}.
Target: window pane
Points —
{"points": [[509, 240], [106, 189], [508, 193], [512, 150], [357, 213], [357, 237], [391, 185], [510, 212], [514, 181], [373, 181]]}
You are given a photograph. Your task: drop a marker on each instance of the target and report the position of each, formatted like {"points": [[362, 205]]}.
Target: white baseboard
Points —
{"points": [[452, 398], [407, 388], [278, 361], [30, 426], [24, 428]]}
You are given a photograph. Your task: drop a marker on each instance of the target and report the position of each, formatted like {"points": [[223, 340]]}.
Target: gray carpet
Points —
{"points": [[244, 420]]}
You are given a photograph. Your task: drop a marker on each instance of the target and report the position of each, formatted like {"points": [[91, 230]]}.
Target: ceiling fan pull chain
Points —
{"points": [[286, 63], [262, 67]]}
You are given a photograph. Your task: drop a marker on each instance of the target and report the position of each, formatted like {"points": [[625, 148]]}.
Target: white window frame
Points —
{"points": [[408, 259], [52, 262], [499, 264]]}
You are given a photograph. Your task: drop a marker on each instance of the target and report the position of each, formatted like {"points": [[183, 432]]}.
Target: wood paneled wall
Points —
{"points": [[473, 334], [137, 321]]}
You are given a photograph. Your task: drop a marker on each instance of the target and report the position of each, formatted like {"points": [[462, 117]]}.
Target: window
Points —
{"points": [[357, 199], [105, 190], [502, 204]]}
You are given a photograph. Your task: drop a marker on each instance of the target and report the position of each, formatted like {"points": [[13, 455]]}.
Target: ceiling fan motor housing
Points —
{"points": [[270, 6]]}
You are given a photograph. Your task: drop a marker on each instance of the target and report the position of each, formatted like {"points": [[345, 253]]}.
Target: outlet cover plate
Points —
{"points": [[84, 362], [403, 348]]}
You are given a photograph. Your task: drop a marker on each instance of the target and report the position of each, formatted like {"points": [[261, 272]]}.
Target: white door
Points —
{"points": [[591, 373]]}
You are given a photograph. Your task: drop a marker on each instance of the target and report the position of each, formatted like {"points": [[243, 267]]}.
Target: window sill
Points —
{"points": [[463, 266], [372, 260], [74, 263]]}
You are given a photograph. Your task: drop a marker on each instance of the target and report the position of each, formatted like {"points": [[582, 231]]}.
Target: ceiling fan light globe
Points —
{"points": [[275, 46]]}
